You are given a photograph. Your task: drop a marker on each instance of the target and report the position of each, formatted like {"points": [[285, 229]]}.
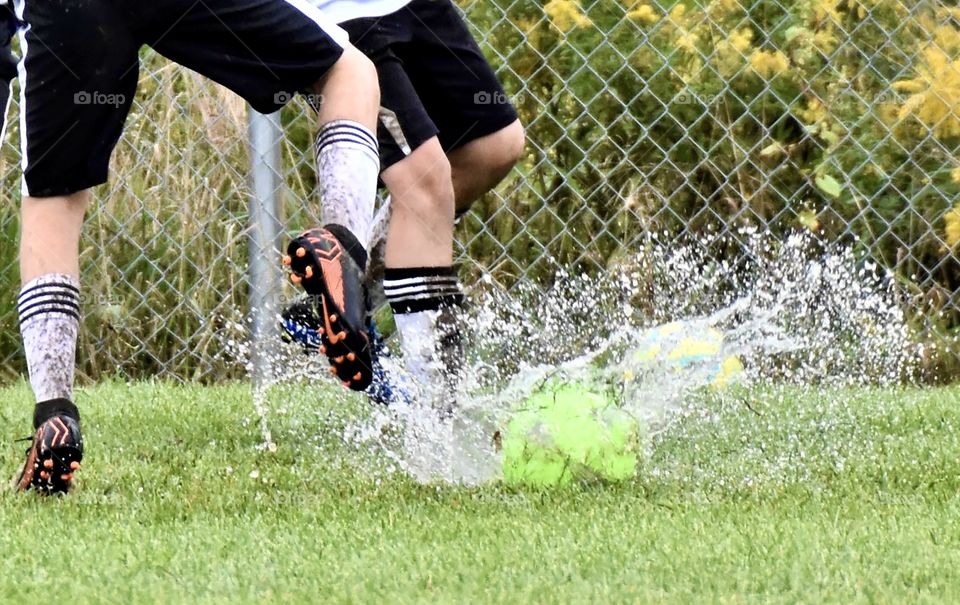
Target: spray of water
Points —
{"points": [[790, 311]]}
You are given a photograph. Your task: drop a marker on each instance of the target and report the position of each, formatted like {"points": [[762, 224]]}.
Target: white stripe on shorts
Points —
{"points": [[18, 6]]}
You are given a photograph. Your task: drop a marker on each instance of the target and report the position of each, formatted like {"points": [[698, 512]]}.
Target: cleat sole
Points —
{"points": [[61, 462], [346, 346]]}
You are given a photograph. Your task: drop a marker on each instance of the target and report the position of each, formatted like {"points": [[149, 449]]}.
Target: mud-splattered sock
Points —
{"points": [[49, 309], [348, 163]]}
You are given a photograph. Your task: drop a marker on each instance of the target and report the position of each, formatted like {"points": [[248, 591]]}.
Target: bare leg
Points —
{"points": [[49, 301], [420, 281], [480, 165], [50, 235], [421, 228], [330, 260], [49, 310], [350, 91]]}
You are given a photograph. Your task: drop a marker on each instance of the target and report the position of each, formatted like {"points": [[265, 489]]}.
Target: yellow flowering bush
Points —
{"points": [[566, 14], [838, 116], [768, 64], [935, 93], [951, 226], [644, 13]]}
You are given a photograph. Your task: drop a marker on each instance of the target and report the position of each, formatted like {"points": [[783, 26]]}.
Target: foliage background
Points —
{"points": [[679, 118]]}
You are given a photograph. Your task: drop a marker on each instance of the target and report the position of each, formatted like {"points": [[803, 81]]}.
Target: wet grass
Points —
{"points": [[819, 496]]}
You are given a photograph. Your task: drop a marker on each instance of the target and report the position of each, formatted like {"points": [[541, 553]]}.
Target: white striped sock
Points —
{"points": [[348, 164], [421, 289], [49, 309]]}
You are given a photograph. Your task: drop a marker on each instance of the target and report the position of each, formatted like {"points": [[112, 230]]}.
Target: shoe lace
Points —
{"points": [[24, 439]]}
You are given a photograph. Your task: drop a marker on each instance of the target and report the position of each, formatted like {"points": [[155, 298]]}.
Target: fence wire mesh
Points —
{"points": [[840, 117]]}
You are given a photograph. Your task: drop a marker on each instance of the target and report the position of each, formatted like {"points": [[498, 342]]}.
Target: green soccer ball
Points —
{"points": [[566, 433]]}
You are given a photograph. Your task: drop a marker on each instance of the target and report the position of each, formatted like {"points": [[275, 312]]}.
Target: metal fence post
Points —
{"points": [[264, 239]]}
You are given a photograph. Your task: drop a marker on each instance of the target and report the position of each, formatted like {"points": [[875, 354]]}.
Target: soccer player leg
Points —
{"points": [[329, 261], [267, 51], [426, 304], [420, 282], [301, 323], [77, 79]]}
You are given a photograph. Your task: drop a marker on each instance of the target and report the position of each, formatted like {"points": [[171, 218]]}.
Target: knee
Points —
{"points": [[361, 67], [512, 140], [422, 182], [481, 164], [352, 79], [500, 152]]}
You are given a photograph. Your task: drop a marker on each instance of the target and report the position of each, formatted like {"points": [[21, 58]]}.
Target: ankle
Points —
{"points": [[45, 410]]}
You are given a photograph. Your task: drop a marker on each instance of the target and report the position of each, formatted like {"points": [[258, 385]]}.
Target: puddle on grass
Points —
{"points": [[658, 331]]}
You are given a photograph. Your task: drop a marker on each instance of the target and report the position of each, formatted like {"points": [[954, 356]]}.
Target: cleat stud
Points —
{"points": [[308, 271], [321, 331], [333, 318], [295, 278], [66, 477], [338, 360], [301, 252], [342, 336], [333, 370], [286, 260], [358, 376], [44, 475], [323, 350], [351, 356], [74, 465], [48, 463], [346, 383]]}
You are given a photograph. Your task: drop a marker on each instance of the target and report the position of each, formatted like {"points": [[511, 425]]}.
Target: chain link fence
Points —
{"points": [[840, 117]]}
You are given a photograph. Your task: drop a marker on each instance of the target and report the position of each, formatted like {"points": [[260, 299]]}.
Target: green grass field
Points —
{"points": [[840, 496]]}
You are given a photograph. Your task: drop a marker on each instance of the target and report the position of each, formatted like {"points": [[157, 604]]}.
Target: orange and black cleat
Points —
{"points": [[53, 457], [329, 263]]}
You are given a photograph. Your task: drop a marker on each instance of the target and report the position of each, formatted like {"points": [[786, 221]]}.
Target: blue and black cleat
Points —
{"points": [[301, 325]]}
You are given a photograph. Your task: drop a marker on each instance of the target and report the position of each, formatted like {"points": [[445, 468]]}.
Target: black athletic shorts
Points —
{"points": [[80, 66], [434, 81]]}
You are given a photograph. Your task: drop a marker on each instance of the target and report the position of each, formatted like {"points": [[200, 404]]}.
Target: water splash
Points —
{"points": [[791, 311]]}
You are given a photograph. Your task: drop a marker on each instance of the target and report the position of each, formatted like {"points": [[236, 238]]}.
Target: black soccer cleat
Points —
{"points": [[329, 263], [53, 457]]}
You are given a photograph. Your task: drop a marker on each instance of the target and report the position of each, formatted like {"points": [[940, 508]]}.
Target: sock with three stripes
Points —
{"points": [[348, 164], [426, 302], [49, 309]]}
